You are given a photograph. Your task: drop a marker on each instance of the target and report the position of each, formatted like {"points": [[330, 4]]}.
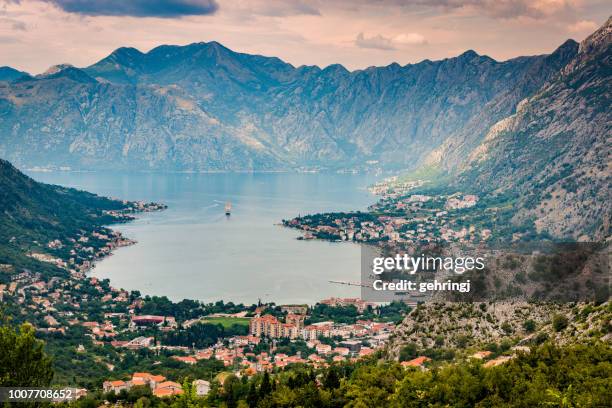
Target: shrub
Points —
{"points": [[529, 325], [408, 352], [559, 322]]}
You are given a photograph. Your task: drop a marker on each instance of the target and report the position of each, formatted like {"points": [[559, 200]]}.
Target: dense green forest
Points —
{"points": [[33, 214], [30, 210]]}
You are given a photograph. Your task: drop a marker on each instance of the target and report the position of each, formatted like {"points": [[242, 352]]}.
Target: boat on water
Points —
{"points": [[228, 208]]}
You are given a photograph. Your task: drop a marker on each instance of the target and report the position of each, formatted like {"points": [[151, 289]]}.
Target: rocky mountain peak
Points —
{"points": [[597, 46], [54, 69], [125, 55], [468, 55], [568, 47], [599, 40]]}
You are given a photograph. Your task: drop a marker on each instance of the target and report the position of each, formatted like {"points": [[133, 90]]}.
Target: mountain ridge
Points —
{"points": [[33, 214], [552, 154], [204, 107]]}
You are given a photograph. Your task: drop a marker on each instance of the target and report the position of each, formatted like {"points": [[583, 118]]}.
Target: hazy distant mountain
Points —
{"points": [[205, 107], [554, 152]]}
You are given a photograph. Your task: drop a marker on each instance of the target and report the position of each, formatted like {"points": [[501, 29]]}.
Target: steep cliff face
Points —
{"points": [[205, 107], [553, 154], [453, 152]]}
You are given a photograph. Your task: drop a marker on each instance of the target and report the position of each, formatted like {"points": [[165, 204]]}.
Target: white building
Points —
{"points": [[201, 387]]}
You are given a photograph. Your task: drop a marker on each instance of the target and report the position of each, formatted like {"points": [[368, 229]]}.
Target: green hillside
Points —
{"points": [[33, 214]]}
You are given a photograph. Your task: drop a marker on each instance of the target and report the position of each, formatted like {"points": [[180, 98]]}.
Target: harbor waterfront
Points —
{"points": [[193, 250]]}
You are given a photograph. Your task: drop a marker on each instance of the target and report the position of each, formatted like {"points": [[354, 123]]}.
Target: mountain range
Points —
{"points": [[553, 155], [204, 107]]}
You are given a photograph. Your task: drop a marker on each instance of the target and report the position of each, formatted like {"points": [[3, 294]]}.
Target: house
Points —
{"points": [[115, 386], [418, 362], [51, 321], [165, 392], [365, 351], [343, 351], [80, 393], [140, 342], [138, 382], [314, 358], [90, 325], [167, 388], [280, 357], [204, 354], [323, 349], [353, 345], [201, 387], [148, 378]]}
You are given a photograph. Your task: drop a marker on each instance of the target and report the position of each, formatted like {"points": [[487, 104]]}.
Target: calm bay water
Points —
{"points": [[192, 250]]}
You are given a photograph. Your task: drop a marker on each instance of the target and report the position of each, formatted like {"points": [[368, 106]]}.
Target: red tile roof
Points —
{"points": [[166, 392], [417, 362]]}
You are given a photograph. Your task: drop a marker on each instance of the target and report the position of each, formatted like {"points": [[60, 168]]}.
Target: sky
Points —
{"points": [[36, 34]]}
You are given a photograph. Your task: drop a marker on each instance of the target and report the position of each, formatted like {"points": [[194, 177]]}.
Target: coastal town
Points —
{"points": [[106, 324], [401, 218], [108, 327]]}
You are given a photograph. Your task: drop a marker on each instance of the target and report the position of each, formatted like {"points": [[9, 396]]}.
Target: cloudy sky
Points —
{"points": [[35, 34]]}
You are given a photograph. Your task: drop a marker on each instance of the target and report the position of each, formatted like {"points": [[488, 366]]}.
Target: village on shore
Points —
{"points": [[272, 337], [103, 323], [402, 218]]}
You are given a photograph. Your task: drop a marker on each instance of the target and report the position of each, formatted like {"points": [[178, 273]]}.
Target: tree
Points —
{"points": [[232, 389], [23, 363], [142, 402], [252, 398], [529, 325], [266, 387], [559, 322], [187, 398], [331, 380], [372, 386], [408, 352]]}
